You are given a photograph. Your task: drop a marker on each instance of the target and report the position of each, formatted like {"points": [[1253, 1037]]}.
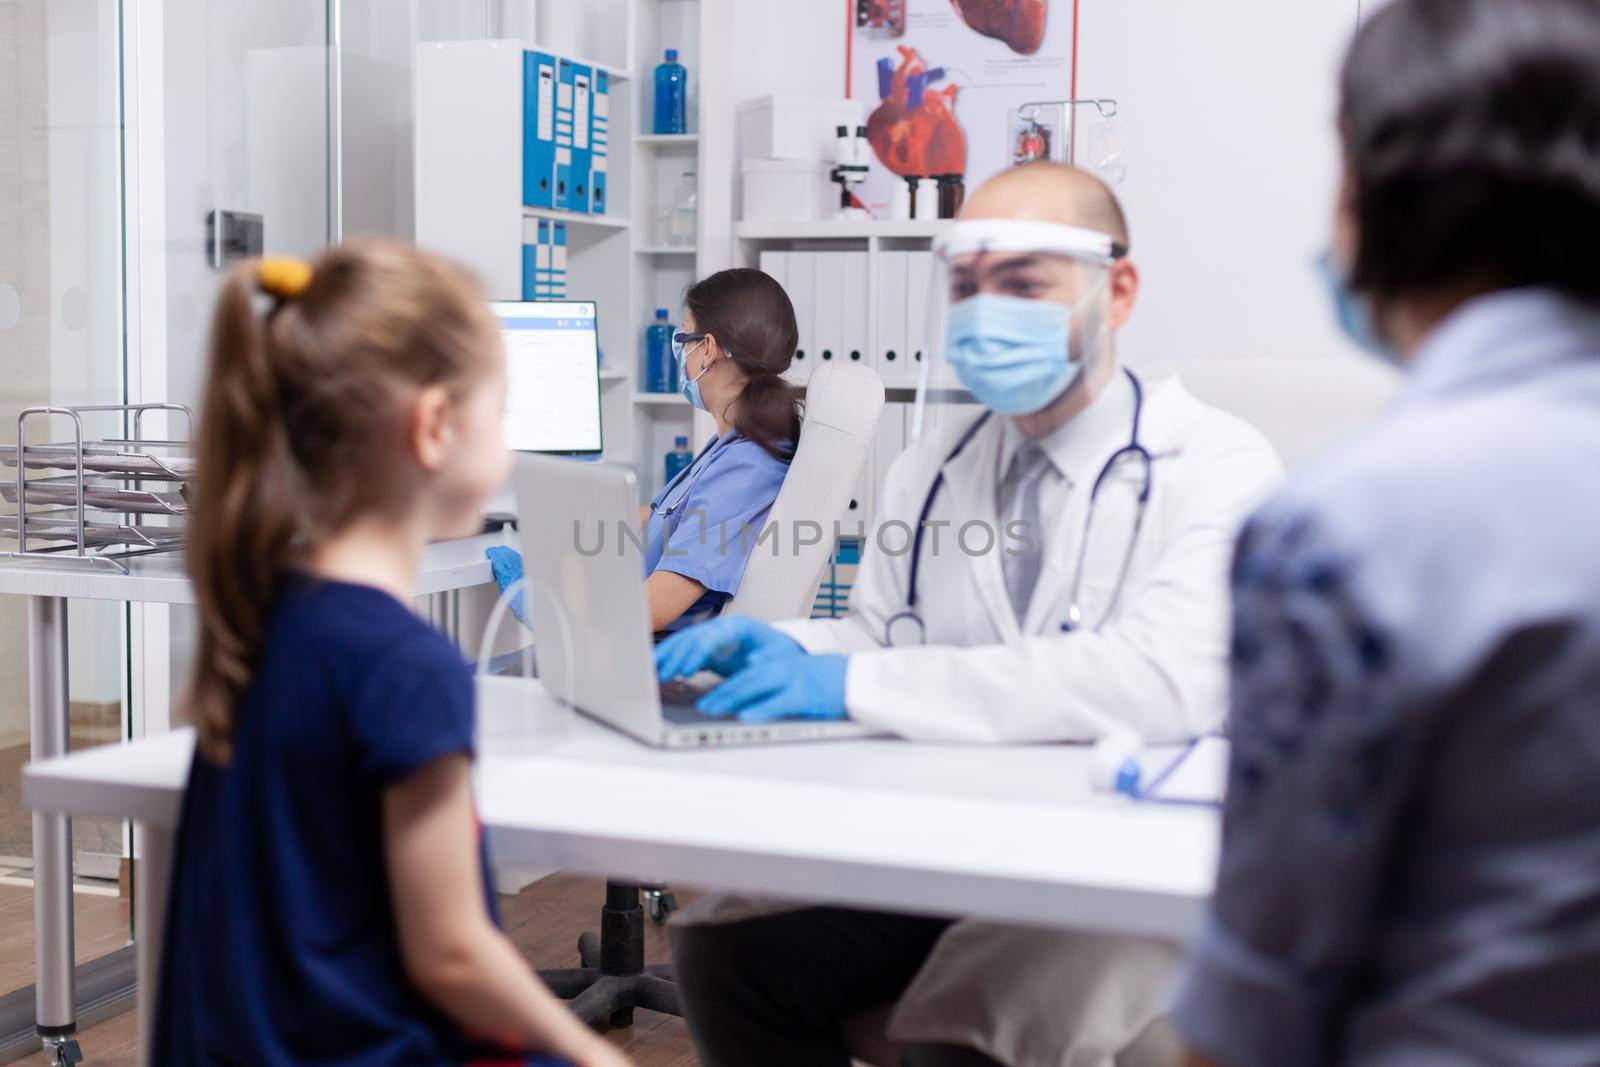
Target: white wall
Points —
{"points": [[1228, 109]]}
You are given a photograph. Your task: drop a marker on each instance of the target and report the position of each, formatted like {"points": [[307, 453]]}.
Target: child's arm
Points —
{"points": [[451, 949]]}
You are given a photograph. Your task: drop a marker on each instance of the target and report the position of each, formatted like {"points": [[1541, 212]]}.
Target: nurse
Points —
{"points": [[738, 337]]}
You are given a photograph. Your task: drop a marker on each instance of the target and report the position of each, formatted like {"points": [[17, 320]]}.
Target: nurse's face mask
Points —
{"points": [[1020, 311]]}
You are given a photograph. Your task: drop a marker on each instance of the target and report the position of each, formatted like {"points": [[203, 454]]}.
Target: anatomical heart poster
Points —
{"points": [[941, 80]]}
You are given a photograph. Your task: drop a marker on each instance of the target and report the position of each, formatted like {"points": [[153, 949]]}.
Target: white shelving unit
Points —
{"points": [[576, 218], [875, 238], [833, 230], [469, 185], [667, 139]]}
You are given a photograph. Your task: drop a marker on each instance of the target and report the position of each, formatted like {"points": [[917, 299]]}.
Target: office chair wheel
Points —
{"points": [[62, 1051], [662, 904], [589, 950], [613, 979]]}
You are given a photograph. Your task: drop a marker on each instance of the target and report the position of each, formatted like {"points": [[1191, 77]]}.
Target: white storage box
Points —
{"points": [[788, 190], [794, 127]]}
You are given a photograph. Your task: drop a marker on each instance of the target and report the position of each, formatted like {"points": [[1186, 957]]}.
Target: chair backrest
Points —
{"points": [[1302, 404], [843, 402]]}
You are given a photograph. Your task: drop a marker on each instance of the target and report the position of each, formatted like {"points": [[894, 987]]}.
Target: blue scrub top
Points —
{"points": [[704, 523]]}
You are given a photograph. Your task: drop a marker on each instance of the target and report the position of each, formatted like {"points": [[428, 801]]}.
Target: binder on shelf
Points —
{"points": [[799, 280], [538, 129], [919, 277], [889, 440], [893, 359], [827, 306], [558, 260], [582, 156], [565, 73], [536, 259], [599, 140], [772, 264], [852, 312]]}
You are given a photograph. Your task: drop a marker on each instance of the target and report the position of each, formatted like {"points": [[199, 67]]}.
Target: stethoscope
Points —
{"points": [[907, 628], [692, 473]]}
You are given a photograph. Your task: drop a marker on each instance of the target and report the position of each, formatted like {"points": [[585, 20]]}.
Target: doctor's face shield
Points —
{"points": [[1020, 310]]}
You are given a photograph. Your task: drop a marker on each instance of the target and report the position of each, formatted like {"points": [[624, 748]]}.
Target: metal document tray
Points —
{"points": [[64, 492], [102, 459]]}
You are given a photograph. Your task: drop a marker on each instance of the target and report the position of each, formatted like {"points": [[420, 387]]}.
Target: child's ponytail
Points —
{"points": [[299, 430], [240, 540]]}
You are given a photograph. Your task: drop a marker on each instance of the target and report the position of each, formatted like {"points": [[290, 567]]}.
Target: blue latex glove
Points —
{"points": [[506, 563], [787, 687], [724, 645]]}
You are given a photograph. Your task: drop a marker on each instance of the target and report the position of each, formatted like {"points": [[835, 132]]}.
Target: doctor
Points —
{"points": [[1054, 569]]}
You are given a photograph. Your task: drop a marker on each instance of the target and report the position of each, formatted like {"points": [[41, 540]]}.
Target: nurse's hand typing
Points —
{"points": [[725, 645], [789, 687], [506, 565]]}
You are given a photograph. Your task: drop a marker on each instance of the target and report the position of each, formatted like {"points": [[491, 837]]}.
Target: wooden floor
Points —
{"points": [[100, 922], [544, 920], [92, 724]]}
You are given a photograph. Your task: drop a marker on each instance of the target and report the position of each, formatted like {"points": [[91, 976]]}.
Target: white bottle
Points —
{"points": [[684, 210], [927, 205], [900, 199]]}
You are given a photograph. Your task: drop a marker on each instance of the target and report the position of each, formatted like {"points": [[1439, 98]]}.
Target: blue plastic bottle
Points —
{"points": [[660, 369], [672, 94], [679, 458]]}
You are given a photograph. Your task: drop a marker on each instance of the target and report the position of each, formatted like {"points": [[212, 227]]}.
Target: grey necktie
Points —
{"points": [[1028, 469]]}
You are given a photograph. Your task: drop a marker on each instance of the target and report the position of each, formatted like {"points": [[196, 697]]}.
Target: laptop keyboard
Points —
{"points": [[677, 701]]}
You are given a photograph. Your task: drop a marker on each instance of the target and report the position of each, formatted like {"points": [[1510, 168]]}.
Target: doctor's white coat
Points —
{"points": [[1158, 664]]}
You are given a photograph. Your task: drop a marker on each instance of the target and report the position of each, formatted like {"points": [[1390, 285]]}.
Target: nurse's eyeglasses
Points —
{"points": [[683, 339]]}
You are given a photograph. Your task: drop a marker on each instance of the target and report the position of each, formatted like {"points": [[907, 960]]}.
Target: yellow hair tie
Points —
{"points": [[283, 276]]}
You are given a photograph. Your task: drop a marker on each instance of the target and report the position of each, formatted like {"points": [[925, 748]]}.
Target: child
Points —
{"points": [[330, 900]]}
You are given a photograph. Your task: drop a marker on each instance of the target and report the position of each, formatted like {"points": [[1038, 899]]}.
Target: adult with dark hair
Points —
{"points": [[738, 337], [1410, 869]]}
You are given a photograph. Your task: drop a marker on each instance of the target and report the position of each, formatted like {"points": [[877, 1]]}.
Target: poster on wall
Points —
{"points": [[942, 82]]}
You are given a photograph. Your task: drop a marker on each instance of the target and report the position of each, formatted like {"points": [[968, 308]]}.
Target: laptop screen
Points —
{"points": [[552, 376]]}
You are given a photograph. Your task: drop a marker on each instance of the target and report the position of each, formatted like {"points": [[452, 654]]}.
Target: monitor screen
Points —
{"points": [[552, 376]]}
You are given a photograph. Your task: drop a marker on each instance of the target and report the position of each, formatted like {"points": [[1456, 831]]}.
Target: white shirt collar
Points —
{"points": [[1079, 447]]}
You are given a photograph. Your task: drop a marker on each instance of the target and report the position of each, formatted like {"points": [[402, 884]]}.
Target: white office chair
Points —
{"points": [[1302, 404], [843, 402]]}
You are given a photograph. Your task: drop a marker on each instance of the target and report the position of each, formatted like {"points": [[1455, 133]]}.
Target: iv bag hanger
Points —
{"points": [[1109, 154], [1106, 106]]}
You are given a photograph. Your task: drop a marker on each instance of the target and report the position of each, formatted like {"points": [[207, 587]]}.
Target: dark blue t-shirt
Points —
{"points": [[281, 942]]}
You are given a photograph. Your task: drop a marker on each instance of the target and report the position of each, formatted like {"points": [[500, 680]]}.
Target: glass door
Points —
{"points": [[243, 91], [61, 343], [129, 132]]}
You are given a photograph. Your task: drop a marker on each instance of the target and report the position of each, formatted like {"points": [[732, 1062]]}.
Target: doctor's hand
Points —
{"points": [[506, 563], [724, 645], [789, 687]]}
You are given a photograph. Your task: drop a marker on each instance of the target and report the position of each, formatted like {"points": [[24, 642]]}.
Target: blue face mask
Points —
{"points": [[691, 386], [1353, 310], [1011, 353]]}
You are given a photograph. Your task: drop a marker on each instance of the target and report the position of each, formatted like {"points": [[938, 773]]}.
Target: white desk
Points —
{"points": [[1011, 834], [446, 568]]}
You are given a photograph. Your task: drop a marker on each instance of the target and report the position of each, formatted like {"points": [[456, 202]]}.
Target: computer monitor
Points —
{"points": [[552, 376]]}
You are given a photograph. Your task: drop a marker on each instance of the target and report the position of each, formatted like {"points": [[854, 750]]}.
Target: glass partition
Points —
{"points": [[61, 325]]}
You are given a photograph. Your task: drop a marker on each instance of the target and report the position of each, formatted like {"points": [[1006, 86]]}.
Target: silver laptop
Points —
{"points": [[591, 623]]}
